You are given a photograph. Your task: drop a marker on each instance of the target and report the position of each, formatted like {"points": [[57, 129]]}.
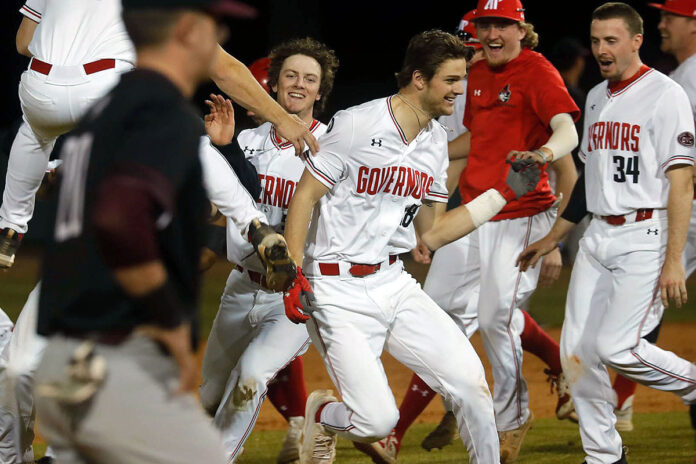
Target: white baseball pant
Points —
{"points": [[250, 342], [18, 364], [51, 106], [690, 248], [356, 318], [613, 301], [490, 258]]}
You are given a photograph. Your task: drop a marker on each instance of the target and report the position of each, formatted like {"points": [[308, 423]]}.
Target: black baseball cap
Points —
{"points": [[215, 7]]}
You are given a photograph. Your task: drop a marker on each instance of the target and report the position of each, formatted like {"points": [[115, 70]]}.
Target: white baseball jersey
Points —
{"points": [[632, 134], [377, 182], [63, 37], [455, 121], [279, 172], [685, 75], [226, 190]]}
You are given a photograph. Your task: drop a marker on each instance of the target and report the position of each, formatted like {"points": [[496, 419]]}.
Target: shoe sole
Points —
{"points": [[527, 426], [6, 262], [372, 453]]}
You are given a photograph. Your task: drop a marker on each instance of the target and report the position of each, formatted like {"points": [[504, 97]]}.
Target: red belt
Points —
{"points": [[254, 276], [641, 215], [356, 270], [90, 68]]}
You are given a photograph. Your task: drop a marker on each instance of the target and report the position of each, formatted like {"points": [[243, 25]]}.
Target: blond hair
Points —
{"points": [[531, 38]]}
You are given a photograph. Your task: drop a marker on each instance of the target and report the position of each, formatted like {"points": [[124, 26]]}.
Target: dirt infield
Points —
{"points": [[675, 337]]}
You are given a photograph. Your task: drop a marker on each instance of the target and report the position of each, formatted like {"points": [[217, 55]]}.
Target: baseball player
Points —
{"points": [[133, 165], [678, 32], [455, 288], [638, 150], [72, 69], [251, 339], [68, 72], [379, 161], [508, 114]]}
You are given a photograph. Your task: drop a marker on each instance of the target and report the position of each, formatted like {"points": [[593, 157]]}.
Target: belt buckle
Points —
{"points": [[362, 270]]}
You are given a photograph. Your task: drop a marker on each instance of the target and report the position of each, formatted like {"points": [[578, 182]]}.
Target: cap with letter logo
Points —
{"points": [[678, 7], [466, 30], [508, 9], [214, 7]]}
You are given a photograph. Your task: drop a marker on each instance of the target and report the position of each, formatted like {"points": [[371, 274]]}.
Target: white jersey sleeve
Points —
{"points": [[328, 166], [224, 188], [33, 9], [438, 190], [674, 138]]}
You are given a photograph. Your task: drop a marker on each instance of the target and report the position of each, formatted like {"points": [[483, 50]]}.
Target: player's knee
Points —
{"points": [[385, 424], [608, 353]]}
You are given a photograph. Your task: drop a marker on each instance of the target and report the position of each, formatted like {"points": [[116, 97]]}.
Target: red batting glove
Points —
{"points": [[298, 299]]}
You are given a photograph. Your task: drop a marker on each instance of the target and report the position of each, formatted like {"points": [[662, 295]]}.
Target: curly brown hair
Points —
{"points": [[314, 49], [427, 51]]}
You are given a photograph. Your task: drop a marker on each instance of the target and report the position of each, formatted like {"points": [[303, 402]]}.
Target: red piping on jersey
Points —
{"points": [[31, 12], [398, 127], [278, 142], [617, 88]]}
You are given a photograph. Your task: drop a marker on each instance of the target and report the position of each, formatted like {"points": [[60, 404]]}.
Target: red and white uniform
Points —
{"points": [[685, 75], [633, 132], [377, 181], [506, 109], [252, 339], [80, 48]]}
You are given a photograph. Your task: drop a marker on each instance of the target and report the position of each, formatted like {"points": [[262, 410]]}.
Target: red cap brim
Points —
{"points": [[662, 7], [233, 8]]}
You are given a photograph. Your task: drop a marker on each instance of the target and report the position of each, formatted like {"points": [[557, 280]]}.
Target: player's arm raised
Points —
{"points": [[236, 80], [439, 227], [679, 202]]}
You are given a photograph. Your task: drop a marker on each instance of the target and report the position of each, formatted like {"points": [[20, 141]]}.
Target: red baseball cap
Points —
{"points": [[508, 9], [678, 7], [467, 31], [259, 69]]}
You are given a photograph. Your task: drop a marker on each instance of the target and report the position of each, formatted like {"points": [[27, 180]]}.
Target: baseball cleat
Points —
{"points": [[444, 434], [290, 451], [319, 443], [9, 243], [624, 416], [511, 441], [565, 409], [381, 452]]}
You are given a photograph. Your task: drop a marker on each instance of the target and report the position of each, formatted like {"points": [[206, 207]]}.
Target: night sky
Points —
{"points": [[369, 38]]}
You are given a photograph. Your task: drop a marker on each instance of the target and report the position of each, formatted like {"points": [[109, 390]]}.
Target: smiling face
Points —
{"points": [[440, 91], [676, 32], [298, 86], [501, 40], [615, 49]]}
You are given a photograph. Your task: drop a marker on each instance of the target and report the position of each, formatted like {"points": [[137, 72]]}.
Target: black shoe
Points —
{"points": [[9, 243], [46, 460]]}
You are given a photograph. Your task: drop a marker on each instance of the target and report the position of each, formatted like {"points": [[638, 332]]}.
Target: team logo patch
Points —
{"points": [[686, 139], [330, 126], [504, 95]]}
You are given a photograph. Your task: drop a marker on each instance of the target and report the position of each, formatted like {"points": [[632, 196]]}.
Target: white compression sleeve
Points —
{"points": [[564, 137], [485, 206]]}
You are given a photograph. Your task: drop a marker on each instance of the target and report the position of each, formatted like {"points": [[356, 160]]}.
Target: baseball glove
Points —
{"points": [[522, 178], [272, 250]]}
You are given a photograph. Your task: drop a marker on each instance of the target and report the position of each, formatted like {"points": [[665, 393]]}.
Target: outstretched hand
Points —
{"points": [[531, 255], [296, 131], [219, 122]]}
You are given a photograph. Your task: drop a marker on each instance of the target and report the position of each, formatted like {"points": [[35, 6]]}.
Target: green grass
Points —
{"points": [[664, 438]]}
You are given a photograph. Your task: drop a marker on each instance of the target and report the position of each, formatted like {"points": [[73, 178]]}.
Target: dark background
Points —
{"points": [[369, 38]]}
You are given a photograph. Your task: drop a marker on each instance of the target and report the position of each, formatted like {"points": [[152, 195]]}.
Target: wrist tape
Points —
{"points": [[485, 206]]}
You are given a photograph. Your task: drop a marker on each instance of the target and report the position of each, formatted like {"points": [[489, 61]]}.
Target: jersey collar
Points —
{"points": [[616, 88], [281, 143]]}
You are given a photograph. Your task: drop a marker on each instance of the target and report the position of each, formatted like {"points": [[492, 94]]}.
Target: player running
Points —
{"points": [[638, 149], [378, 163], [251, 339]]}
